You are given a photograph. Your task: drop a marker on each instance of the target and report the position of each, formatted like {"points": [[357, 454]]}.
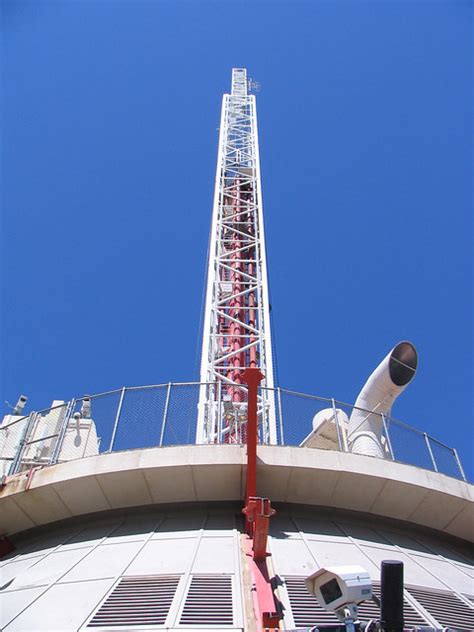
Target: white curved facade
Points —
{"points": [[156, 536]]}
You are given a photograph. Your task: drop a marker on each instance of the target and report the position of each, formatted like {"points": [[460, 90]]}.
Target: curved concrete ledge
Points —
{"points": [[212, 473]]}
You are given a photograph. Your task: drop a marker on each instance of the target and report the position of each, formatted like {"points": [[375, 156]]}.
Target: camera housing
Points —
{"points": [[338, 586]]}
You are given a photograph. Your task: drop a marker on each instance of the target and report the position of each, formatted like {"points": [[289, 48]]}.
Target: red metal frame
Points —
{"points": [[6, 546], [258, 512]]}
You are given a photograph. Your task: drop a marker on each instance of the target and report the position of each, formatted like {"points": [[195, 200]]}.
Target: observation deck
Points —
{"points": [[105, 491], [135, 446]]}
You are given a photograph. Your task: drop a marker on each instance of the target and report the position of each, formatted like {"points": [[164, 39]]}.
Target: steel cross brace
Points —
{"points": [[258, 512]]}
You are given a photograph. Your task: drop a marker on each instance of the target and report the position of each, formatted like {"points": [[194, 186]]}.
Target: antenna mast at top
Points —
{"points": [[237, 317]]}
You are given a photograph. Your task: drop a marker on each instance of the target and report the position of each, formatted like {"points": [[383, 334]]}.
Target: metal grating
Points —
{"points": [[370, 610], [138, 600], [445, 607], [307, 612], [209, 601], [305, 608]]}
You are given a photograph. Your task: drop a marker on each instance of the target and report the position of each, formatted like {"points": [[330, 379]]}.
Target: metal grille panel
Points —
{"points": [[139, 600], [445, 607], [305, 607], [209, 601], [307, 612]]}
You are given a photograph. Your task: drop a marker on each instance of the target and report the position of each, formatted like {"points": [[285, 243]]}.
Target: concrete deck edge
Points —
{"points": [[211, 472]]}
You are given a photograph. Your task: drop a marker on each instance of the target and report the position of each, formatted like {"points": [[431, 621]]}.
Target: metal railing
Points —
{"points": [[166, 414]]}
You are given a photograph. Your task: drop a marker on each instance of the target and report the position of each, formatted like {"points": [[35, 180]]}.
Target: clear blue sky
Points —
{"points": [[109, 121]]}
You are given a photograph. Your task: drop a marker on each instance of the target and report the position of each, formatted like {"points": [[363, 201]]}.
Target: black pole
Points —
{"points": [[392, 596]]}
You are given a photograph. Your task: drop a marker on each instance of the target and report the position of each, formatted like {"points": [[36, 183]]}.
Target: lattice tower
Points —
{"points": [[237, 313]]}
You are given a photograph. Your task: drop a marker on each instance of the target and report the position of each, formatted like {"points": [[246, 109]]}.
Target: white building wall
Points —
{"points": [[57, 579]]}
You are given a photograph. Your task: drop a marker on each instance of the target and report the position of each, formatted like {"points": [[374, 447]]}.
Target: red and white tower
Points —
{"points": [[237, 314]]}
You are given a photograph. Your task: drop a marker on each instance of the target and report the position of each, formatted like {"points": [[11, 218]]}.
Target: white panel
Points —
{"points": [[136, 528], [281, 526], [13, 569], [28, 548], [63, 607], [11, 603], [403, 540], [90, 535], [413, 574], [104, 561], [53, 540], [163, 556], [363, 533], [342, 553], [215, 555], [291, 557], [49, 569], [180, 526], [319, 529], [220, 524], [469, 570], [455, 579]]}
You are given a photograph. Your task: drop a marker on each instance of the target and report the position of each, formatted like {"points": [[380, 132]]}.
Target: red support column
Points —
{"points": [[252, 377], [258, 512]]}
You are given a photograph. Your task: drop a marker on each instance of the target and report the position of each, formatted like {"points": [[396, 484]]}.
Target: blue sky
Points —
{"points": [[109, 141]]}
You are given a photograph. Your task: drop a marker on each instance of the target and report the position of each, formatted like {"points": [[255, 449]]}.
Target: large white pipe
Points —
{"points": [[389, 379]]}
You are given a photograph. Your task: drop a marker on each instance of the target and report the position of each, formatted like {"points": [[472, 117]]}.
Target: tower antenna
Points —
{"points": [[237, 332]]}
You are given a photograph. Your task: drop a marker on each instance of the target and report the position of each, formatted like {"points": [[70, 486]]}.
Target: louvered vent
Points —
{"points": [[139, 600], [446, 608], [209, 601], [307, 612], [370, 610], [305, 608]]}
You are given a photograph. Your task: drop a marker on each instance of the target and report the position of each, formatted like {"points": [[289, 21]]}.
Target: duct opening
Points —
{"points": [[402, 364]]}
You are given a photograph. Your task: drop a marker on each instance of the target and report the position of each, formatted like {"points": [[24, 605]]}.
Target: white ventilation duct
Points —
{"points": [[389, 379]]}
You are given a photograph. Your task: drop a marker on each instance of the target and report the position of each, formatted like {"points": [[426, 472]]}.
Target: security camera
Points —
{"points": [[86, 407], [340, 588], [20, 405]]}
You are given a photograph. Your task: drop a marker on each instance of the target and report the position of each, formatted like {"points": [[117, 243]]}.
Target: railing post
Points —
{"points": [[282, 438], [22, 443], [219, 416], [62, 431], [458, 461], [427, 441], [387, 437], [340, 441], [117, 419], [165, 413]]}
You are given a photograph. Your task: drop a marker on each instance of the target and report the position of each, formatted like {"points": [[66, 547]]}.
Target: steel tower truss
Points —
{"points": [[237, 318]]}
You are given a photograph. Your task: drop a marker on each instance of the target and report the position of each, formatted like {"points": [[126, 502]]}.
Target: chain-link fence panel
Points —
{"points": [[280, 429], [42, 441], [102, 411], [445, 459], [141, 418], [354, 421], [180, 415], [343, 415], [270, 422], [301, 414], [408, 445], [11, 435], [79, 434]]}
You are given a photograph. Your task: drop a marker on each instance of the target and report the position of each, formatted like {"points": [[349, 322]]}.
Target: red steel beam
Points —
{"points": [[258, 512], [252, 377]]}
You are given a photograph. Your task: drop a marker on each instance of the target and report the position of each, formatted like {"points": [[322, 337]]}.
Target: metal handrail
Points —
{"points": [[386, 422]]}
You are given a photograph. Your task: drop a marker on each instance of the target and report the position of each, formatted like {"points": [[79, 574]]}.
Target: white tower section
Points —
{"points": [[237, 317]]}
